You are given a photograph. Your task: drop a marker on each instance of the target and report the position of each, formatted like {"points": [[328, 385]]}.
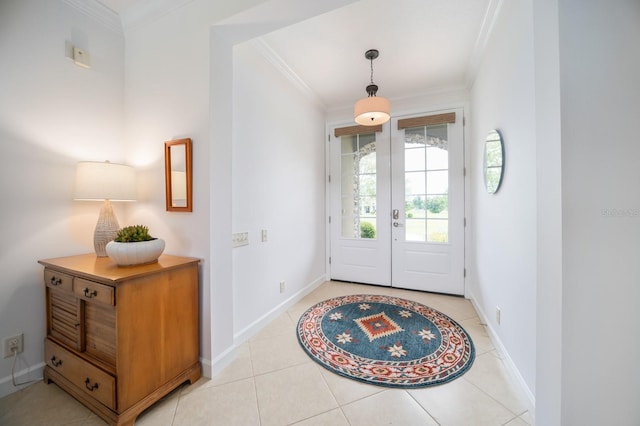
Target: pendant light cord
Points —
{"points": [[371, 61]]}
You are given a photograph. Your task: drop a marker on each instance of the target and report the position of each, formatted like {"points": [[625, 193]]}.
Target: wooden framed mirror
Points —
{"points": [[178, 175]]}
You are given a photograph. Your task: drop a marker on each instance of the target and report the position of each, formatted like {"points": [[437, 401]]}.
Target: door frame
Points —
{"points": [[413, 110]]}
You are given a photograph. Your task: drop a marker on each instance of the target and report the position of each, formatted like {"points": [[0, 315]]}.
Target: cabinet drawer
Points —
{"points": [[85, 376], [55, 279], [94, 292]]}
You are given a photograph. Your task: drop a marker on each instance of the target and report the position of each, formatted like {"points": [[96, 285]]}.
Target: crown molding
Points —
{"points": [[99, 12], [486, 30], [146, 11], [276, 60]]}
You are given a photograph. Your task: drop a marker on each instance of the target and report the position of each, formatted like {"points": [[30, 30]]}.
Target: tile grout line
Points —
{"points": [[255, 386], [496, 400], [489, 353], [423, 408], [175, 410]]}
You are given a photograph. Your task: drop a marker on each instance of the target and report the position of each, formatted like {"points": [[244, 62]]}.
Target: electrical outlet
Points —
{"points": [[281, 286], [13, 344], [498, 315], [264, 235]]}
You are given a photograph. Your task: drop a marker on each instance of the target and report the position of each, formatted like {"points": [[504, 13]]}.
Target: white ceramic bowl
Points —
{"points": [[125, 254]]}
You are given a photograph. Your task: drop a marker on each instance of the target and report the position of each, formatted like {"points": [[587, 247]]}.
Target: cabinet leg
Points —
{"points": [[194, 374], [45, 376]]}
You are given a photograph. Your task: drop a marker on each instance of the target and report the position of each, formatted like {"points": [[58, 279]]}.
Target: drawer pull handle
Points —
{"points": [[56, 362], [56, 282], [89, 386], [90, 294]]}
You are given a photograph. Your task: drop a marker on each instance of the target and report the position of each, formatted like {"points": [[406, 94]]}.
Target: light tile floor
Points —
{"points": [[273, 382]]}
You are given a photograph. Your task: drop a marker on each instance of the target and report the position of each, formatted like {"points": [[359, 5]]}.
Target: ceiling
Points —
{"points": [[425, 46]]}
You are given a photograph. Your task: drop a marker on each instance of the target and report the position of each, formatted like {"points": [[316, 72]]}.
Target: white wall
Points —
{"points": [[179, 83], [266, 17], [52, 115], [278, 185], [549, 214], [600, 89], [502, 261], [168, 97]]}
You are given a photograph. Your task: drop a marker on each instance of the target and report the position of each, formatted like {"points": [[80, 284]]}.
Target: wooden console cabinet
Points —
{"points": [[120, 338]]}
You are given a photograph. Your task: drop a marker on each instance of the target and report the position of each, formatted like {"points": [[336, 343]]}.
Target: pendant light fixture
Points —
{"points": [[372, 110]]}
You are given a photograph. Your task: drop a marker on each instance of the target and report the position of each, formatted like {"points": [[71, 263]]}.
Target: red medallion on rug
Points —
{"points": [[386, 341]]}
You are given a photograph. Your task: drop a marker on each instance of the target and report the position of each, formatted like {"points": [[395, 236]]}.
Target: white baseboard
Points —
{"points": [[27, 376], [504, 354], [227, 357], [206, 368], [212, 367], [222, 361], [253, 328]]}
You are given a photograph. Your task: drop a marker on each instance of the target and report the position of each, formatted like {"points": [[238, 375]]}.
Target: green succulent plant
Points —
{"points": [[133, 234]]}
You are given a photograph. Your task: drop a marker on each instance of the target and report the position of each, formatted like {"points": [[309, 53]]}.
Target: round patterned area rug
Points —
{"points": [[385, 341]]}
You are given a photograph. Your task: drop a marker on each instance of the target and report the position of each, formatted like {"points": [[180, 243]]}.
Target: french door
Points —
{"points": [[397, 203]]}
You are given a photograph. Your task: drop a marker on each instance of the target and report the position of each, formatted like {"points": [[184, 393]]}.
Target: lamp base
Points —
{"points": [[106, 229]]}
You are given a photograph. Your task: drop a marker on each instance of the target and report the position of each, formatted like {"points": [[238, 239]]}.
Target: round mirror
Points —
{"points": [[493, 161]]}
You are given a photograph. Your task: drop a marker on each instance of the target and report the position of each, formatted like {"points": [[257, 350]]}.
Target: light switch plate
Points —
{"points": [[240, 239], [81, 57]]}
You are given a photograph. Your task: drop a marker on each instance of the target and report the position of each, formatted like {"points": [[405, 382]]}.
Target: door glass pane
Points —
{"points": [[415, 206], [437, 206], [347, 164], [414, 183], [437, 159], [427, 184], [358, 186], [414, 159], [367, 163], [437, 230], [437, 136], [367, 184], [349, 144], [414, 137], [416, 229], [438, 182]]}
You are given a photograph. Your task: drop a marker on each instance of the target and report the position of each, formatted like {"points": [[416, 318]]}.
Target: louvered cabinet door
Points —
{"points": [[99, 320], [64, 310]]}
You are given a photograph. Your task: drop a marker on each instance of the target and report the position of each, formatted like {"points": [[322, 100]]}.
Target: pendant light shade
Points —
{"points": [[372, 110]]}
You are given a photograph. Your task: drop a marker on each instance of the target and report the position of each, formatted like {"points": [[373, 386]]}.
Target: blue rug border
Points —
{"points": [[457, 374]]}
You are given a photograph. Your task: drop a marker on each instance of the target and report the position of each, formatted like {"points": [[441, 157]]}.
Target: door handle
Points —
{"points": [[396, 214], [397, 225]]}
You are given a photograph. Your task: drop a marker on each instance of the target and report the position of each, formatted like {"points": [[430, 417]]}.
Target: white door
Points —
{"points": [[428, 202], [360, 204], [397, 204]]}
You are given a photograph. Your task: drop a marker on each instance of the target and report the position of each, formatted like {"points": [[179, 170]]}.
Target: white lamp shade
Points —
{"points": [[372, 111], [105, 181]]}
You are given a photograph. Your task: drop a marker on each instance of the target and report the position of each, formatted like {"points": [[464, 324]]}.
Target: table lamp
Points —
{"points": [[96, 181]]}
